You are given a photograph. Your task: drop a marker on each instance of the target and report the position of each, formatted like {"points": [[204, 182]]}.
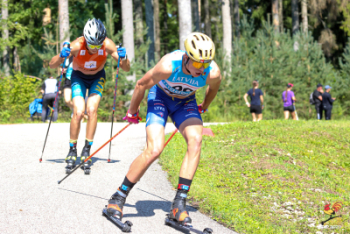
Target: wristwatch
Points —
{"points": [[125, 58]]}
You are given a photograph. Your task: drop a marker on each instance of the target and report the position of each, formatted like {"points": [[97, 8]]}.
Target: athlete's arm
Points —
{"points": [[246, 99], [56, 61], [161, 71], [262, 100], [112, 50], [213, 82]]}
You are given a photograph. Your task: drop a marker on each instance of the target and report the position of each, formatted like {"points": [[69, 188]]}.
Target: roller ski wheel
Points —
{"points": [[125, 227], [184, 226]]}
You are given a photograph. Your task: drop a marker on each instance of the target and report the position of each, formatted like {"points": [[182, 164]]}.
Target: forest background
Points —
{"points": [[275, 42]]}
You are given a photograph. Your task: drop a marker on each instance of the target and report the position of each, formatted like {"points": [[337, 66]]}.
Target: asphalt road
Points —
{"points": [[31, 201]]}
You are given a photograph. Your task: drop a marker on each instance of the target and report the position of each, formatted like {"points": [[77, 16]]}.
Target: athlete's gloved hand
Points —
{"points": [[65, 50], [135, 118], [121, 52], [201, 110]]}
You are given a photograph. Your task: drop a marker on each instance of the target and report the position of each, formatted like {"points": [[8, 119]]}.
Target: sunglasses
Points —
{"points": [[94, 46], [198, 65]]}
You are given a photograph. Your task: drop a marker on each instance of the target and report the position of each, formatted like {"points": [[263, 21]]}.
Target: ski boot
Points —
{"points": [[71, 158], [84, 154], [114, 211], [178, 208]]}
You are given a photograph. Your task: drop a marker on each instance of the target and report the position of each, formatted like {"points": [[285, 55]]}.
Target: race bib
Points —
{"points": [[82, 52], [90, 64], [100, 52]]}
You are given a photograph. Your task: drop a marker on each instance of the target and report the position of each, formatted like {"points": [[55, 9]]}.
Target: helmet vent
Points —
{"points": [[193, 44], [206, 53], [191, 54], [211, 52], [200, 53], [196, 37], [203, 38]]}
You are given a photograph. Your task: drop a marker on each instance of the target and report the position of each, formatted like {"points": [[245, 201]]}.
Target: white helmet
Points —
{"points": [[95, 32]]}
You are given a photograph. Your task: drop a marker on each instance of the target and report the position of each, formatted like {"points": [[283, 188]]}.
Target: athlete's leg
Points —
{"points": [[67, 93], [91, 109], [293, 115], [286, 114], [191, 129], [254, 117], [78, 91], [154, 147], [260, 117], [78, 113]]}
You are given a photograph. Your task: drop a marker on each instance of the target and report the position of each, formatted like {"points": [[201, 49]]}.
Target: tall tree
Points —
{"points": [[128, 35], [5, 37], [227, 29], [275, 15], [207, 18], [236, 17], [138, 22], [195, 12], [280, 14], [304, 19], [295, 16], [64, 21], [156, 28], [185, 21], [165, 25], [150, 31]]}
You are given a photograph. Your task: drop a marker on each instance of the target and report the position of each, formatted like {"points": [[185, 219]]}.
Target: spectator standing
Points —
{"points": [[49, 90], [327, 102], [256, 101], [317, 96], [288, 99]]}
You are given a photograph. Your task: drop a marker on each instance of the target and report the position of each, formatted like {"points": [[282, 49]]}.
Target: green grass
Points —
{"points": [[270, 176]]}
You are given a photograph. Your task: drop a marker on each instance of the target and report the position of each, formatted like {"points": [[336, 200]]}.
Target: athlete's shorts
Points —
{"points": [[289, 108], [160, 106], [66, 84], [255, 109], [80, 82]]}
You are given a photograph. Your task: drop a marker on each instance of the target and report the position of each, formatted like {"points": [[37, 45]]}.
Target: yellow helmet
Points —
{"points": [[199, 47]]}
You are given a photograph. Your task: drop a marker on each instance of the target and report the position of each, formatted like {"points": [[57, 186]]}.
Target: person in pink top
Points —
{"points": [[289, 99]]}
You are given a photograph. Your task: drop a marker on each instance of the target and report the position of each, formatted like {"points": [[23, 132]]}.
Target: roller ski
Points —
{"points": [[114, 211], [85, 154], [178, 216], [71, 158]]}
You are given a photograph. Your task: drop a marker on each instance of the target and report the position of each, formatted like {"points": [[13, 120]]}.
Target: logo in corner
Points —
{"points": [[331, 211]]}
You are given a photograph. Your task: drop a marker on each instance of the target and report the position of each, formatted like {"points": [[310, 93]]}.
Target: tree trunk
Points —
{"points": [[304, 16], [5, 37], [156, 28], [227, 30], [64, 21], [185, 20], [165, 25], [295, 16], [195, 12], [280, 13], [128, 35], [138, 22], [275, 17], [236, 16], [150, 31], [207, 18]]}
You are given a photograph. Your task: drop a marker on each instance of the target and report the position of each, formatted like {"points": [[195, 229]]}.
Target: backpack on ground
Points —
{"points": [[311, 99]]}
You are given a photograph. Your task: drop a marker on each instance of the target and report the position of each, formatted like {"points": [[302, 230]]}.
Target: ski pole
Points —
{"points": [[81, 164], [115, 95], [54, 105], [175, 131], [296, 114]]}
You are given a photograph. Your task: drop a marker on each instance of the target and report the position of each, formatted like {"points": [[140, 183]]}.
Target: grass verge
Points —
{"points": [[270, 176]]}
